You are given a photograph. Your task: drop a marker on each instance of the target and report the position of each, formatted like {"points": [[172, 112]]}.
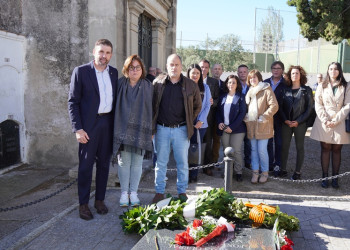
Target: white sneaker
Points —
{"points": [[134, 200], [124, 199]]}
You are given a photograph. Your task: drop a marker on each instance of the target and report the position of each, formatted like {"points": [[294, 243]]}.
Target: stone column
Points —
{"points": [[158, 43], [135, 9]]}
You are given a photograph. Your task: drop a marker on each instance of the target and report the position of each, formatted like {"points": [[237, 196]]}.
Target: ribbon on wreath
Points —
{"points": [[257, 213]]}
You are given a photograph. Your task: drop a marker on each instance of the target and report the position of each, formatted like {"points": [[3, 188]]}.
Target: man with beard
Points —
{"points": [[91, 110]]}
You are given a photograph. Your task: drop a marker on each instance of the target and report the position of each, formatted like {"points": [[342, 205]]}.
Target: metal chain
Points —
{"points": [[305, 181], [27, 204]]}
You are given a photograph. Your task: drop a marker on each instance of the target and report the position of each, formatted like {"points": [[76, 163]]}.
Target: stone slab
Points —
{"points": [[242, 238]]}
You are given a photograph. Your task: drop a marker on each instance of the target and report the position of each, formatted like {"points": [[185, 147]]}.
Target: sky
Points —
{"points": [[197, 19]]}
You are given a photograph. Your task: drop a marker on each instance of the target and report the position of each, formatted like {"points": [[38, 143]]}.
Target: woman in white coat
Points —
{"points": [[332, 105]]}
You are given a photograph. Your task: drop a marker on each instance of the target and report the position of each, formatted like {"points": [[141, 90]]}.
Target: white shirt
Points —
{"points": [[105, 89], [227, 108]]}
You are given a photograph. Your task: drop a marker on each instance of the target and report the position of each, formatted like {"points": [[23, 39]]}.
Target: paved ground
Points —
{"points": [[55, 224]]}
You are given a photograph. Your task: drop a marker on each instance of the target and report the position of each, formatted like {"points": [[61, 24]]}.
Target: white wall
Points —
{"points": [[12, 49]]}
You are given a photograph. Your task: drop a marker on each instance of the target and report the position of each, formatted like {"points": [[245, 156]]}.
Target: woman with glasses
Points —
{"points": [[132, 128], [194, 72], [332, 104], [229, 117], [294, 109]]}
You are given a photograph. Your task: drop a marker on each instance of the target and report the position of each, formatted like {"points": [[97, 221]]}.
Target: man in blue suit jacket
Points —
{"points": [[91, 110]]}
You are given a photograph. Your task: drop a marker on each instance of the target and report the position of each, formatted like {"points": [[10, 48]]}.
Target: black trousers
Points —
{"points": [[299, 137], [99, 150]]}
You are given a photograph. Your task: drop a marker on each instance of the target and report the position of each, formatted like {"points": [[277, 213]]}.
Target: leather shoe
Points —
{"points": [[208, 171], [183, 197], [101, 207], [158, 197], [84, 212]]}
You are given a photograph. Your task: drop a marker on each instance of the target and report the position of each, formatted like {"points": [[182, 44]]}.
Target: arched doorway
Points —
{"points": [[9, 143]]}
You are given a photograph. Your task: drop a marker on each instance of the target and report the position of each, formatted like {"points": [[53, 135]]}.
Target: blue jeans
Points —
{"points": [[175, 138], [259, 154], [194, 173], [129, 171], [275, 157]]}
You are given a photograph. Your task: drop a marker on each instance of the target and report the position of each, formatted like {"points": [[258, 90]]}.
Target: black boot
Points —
{"points": [[324, 183], [335, 182]]}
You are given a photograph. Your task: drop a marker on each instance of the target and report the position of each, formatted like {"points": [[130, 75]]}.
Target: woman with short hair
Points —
{"points": [[132, 137], [262, 105], [229, 117]]}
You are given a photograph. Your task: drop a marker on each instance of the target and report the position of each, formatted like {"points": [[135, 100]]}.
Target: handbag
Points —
{"points": [[347, 119], [196, 151], [347, 123], [311, 119]]}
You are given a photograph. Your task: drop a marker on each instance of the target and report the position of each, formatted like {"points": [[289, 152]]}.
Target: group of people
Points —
{"points": [[126, 119]]}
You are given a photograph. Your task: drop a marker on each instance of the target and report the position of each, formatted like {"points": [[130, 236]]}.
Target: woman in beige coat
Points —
{"points": [[332, 105], [262, 105]]}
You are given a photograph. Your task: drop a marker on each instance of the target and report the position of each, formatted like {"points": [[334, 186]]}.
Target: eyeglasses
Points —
{"points": [[137, 68], [276, 68]]}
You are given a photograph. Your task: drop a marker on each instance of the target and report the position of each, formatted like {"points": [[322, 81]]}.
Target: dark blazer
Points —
{"points": [[237, 113], [302, 104], [84, 96], [278, 93], [215, 94], [150, 77]]}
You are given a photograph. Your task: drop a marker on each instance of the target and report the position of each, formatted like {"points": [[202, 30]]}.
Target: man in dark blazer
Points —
{"points": [[210, 155], [277, 84], [91, 110]]}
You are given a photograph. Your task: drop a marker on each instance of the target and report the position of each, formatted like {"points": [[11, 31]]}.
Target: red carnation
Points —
{"points": [[184, 239], [197, 223]]}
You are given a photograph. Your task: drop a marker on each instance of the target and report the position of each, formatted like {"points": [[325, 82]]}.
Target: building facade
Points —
{"points": [[40, 44]]}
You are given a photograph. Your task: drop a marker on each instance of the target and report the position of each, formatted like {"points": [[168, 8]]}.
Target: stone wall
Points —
{"points": [[60, 35]]}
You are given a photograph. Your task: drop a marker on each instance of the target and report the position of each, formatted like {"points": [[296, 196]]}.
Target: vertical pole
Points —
{"points": [[254, 37], [181, 39], [298, 55], [228, 159], [318, 55]]}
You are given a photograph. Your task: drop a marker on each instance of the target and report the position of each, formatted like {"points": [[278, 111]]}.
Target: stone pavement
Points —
{"points": [[324, 225], [55, 224]]}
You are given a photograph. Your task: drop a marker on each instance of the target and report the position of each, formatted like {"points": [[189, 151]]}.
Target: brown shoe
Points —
{"points": [[84, 212], [101, 207], [208, 171], [158, 197], [183, 197]]}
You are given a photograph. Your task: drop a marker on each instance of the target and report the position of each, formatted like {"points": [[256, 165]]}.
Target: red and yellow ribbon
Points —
{"points": [[257, 213]]}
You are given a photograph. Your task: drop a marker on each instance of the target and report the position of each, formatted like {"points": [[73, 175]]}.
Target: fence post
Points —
{"points": [[228, 159]]}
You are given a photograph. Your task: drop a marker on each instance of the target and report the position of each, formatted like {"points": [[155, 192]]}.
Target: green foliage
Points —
{"points": [[141, 219], [239, 211], [225, 50], [323, 18], [214, 203]]}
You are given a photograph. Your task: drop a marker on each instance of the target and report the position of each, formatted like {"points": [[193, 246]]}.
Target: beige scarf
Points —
{"points": [[251, 101]]}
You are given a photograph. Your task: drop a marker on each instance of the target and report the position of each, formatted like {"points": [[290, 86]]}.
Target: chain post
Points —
{"points": [[228, 159]]}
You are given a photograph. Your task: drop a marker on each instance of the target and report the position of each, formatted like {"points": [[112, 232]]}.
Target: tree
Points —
{"points": [[270, 31], [225, 50], [329, 19]]}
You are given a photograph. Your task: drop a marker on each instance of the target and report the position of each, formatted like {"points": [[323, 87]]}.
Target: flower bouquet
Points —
{"points": [[284, 241], [202, 231]]}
